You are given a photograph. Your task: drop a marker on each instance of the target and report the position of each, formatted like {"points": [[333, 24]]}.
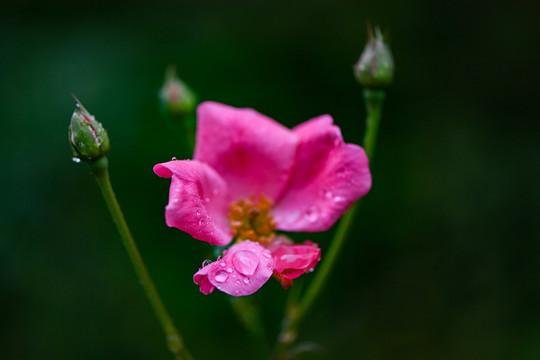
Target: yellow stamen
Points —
{"points": [[251, 220]]}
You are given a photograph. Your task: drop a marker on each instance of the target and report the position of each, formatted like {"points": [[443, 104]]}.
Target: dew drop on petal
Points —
{"points": [[222, 264], [267, 254], [229, 270], [221, 276], [173, 159], [245, 262], [198, 213], [246, 280], [312, 214], [206, 262], [339, 199], [201, 222]]}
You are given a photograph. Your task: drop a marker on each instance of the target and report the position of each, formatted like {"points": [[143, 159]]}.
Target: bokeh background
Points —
{"points": [[444, 260]]}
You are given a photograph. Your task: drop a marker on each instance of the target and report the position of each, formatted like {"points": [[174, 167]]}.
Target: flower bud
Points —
{"points": [[176, 98], [375, 69], [89, 140]]}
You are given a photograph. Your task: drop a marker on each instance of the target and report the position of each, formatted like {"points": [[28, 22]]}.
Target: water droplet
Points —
{"points": [[246, 280], [245, 262], [173, 159], [206, 263], [339, 199], [207, 199], [198, 213], [222, 264], [229, 270], [326, 193], [267, 254], [221, 276], [76, 159], [312, 214], [201, 222]]}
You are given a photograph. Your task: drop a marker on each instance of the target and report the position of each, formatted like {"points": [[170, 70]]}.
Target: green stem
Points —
{"points": [[249, 315], [294, 314], [174, 340]]}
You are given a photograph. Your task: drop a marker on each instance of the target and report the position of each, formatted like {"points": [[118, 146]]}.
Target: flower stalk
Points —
{"points": [[175, 344], [374, 99]]}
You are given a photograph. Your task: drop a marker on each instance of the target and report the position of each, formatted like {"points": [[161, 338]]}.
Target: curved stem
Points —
{"points": [[174, 340], [374, 100]]}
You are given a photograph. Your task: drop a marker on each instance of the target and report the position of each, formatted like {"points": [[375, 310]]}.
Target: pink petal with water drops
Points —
{"points": [[244, 268], [329, 177], [292, 260], [254, 154], [198, 201], [201, 279]]}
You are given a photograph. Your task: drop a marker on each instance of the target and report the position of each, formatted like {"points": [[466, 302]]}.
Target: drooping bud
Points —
{"points": [[89, 140], [176, 98], [375, 68]]}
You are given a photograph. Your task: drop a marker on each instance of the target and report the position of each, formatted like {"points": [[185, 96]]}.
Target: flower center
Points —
{"points": [[251, 220]]}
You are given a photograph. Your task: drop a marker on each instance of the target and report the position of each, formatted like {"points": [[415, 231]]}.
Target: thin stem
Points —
{"points": [[174, 340], [249, 315], [294, 314]]}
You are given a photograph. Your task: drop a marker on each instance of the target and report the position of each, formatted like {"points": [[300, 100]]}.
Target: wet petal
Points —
{"points": [[244, 268], [329, 177], [198, 201], [254, 154], [292, 260]]}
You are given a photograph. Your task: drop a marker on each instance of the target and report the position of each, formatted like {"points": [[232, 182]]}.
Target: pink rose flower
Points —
{"points": [[250, 176]]}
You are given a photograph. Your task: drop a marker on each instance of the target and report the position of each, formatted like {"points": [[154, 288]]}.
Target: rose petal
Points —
{"points": [[201, 279], [198, 201], [329, 177], [293, 260], [254, 154], [244, 268]]}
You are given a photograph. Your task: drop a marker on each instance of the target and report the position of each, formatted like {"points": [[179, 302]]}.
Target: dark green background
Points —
{"points": [[444, 260]]}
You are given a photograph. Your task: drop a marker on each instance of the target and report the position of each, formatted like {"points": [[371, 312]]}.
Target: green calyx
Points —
{"points": [[375, 68], [89, 140]]}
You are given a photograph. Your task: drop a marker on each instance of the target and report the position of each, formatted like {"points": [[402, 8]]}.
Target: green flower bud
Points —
{"points": [[176, 98], [89, 140], [375, 68]]}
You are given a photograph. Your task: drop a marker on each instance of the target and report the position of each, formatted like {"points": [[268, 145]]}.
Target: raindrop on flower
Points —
{"points": [[221, 276], [206, 262], [201, 222], [312, 214], [339, 199], [246, 280], [245, 262], [173, 159], [229, 270]]}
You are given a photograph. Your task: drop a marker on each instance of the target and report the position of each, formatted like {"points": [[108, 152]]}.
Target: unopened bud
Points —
{"points": [[375, 69], [89, 140], [176, 98]]}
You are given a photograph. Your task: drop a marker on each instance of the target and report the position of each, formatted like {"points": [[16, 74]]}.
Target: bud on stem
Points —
{"points": [[375, 68], [89, 140]]}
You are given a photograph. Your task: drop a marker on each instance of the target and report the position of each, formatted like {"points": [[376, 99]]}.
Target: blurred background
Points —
{"points": [[444, 260]]}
